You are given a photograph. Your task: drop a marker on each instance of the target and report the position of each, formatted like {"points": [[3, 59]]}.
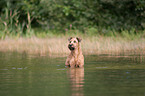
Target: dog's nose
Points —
{"points": [[70, 45]]}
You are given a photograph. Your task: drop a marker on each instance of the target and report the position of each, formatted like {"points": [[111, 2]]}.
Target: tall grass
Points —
{"points": [[58, 46], [111, 45]]}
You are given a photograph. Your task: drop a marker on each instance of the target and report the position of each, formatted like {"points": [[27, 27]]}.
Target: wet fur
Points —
{"points": [[75, 58]]}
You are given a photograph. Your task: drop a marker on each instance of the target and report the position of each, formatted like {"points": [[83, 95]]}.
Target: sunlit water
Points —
{"points": [[103, 75]]}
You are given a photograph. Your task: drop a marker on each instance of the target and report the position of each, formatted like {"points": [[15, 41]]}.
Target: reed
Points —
{"points": [[58, 45]]}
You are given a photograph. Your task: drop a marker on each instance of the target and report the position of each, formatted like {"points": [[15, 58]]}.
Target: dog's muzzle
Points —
{"points": [[71, 47]]}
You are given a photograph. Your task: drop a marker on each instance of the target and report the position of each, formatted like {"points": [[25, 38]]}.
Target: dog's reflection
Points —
{"points": [[76, 76]]}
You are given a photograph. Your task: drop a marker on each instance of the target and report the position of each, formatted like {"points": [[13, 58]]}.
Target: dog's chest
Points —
{"points": [[75, 59]]}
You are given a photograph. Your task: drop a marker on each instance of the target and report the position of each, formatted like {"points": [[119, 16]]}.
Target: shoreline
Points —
{"points": [[58, 46]]}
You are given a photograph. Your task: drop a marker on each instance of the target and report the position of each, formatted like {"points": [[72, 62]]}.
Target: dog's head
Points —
{"points": [[74, 43]]}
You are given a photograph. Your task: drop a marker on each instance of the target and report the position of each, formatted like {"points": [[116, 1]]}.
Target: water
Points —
{"points": [[30, 75]]}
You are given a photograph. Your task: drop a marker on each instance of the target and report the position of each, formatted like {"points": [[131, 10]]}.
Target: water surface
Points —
{"points": [[103, 75]]}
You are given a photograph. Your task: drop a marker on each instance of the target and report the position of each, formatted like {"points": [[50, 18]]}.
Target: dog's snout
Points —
{"points": [[71, 46]]}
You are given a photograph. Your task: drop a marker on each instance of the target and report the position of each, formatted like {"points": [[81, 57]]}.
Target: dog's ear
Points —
{"points": [[69, 38], [79, 39]]}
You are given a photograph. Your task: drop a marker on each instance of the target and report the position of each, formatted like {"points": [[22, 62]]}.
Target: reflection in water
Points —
{"points": [[76, 76]]}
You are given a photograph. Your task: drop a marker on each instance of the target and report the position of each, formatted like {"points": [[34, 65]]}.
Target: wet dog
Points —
{"points": [[75, 58]]}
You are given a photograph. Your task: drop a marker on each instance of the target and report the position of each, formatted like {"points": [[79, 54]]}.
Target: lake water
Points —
{"points": [[103, 75]]}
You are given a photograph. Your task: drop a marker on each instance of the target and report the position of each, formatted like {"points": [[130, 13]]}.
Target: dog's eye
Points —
{"points": [[74, 41], [69, 41]]}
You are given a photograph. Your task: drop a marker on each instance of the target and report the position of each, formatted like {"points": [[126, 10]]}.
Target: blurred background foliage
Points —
{"points": [[94, 16]]}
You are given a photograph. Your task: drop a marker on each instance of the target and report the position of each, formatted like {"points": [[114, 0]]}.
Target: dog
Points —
{"points": [[75, 58]]}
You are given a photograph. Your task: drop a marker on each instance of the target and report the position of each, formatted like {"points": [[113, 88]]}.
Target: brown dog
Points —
{"points": [[75, 58]]}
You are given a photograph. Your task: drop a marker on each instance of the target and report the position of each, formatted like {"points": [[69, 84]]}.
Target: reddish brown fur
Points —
{"points": [[75, 58]]}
